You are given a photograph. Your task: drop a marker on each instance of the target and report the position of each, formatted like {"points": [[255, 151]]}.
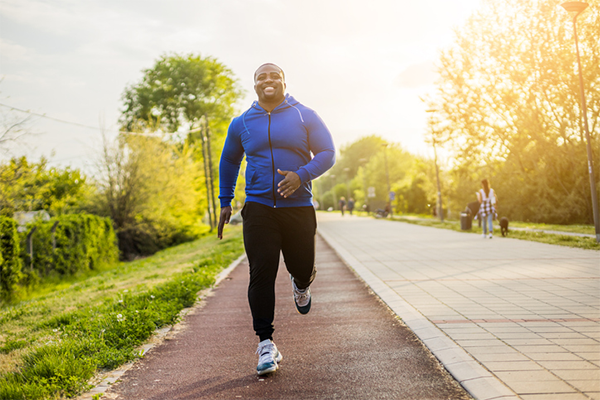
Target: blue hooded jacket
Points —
{"points": [[282, 139]]}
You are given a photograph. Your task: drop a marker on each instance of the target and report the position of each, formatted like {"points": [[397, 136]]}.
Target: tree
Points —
{"points": [[178, 91], [507, 105], [148, 186], [361, 164], [195, 92], [351, 158], [358, 153], [13, 127], [12, 130], [416, 192]]}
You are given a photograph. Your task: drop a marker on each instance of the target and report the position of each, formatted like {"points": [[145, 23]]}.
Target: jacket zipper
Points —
{"points": [[272, 163]]}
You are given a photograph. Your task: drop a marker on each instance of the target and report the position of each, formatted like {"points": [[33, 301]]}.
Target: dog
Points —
{"points": [[504, 226]]}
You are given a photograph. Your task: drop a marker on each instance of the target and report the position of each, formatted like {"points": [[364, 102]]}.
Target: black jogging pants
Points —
{"points": [[267, 232]]}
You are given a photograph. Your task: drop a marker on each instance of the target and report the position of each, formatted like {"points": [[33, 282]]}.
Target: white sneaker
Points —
{"points": [[302, 298], [483, 235], [268, 357], [490, 235]]}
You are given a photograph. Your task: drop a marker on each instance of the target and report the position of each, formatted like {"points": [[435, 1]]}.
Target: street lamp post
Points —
{"points": [[333, 191], [577, 7], [440, 208], [387, 177], [363, 162], [439, 189]]}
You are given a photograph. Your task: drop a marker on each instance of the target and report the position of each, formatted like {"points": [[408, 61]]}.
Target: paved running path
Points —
{"points": [[508, 318], [350, 346]]}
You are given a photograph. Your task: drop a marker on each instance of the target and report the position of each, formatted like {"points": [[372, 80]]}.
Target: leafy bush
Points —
{"points": [[81, 242], [150, 188], [146, 238], [27, 185], [10, 262]]}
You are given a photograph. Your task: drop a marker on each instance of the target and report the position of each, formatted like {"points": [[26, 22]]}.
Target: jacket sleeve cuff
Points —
{"points": [[225, 202], [304, 176]]}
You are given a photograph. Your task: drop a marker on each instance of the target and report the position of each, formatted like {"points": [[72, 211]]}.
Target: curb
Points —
{"points": [[476, 380], [106, 380]]}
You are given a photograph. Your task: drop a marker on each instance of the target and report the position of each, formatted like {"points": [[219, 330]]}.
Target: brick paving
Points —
{"points": [[508, 318]]}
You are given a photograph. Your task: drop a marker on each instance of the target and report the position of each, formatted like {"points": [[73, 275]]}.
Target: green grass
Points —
{"points": [[557, 239], [587, 229], [55, 339]]}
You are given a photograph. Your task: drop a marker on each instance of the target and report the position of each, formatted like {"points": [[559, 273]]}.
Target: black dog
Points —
{"points": [[504, 226]]}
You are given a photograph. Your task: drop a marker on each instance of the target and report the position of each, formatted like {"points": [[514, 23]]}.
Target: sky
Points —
{"points": [[362, 65]]}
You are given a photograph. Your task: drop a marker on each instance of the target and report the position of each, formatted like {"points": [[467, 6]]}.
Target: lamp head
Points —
{"points": [[574, 6]]}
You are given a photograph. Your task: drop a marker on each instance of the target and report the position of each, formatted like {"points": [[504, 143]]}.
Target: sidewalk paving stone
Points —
{"points": [[562, 396], [511, 305]]}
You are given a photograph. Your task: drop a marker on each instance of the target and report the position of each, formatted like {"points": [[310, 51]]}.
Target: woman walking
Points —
{"points": [[487, 207]]}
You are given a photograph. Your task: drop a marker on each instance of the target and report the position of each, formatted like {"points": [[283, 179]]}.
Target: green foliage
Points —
{"points": [[507, 106], [27, 186], [413, 196], [103, 332], [10, 262], [149, 188], [12, 345], [367, 163], [357, 154], [157, 189], [83, 242], [180, 89]]}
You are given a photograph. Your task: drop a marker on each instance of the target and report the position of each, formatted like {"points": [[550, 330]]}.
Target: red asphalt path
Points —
{"points": [[349, 346]]}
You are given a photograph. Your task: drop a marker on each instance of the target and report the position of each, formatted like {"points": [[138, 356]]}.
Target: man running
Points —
{"points": [[277, 134]]}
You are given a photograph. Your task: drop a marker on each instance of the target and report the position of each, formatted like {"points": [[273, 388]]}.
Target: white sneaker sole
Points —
{"points": [[273, 368], [268, 370]]}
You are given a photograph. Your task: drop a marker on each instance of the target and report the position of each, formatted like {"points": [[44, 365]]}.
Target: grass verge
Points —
{"points": [[561, 240], [52, 343]]}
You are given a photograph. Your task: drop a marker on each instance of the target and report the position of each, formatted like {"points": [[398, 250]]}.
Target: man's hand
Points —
{"points": [[223, 219], [289, 184]]}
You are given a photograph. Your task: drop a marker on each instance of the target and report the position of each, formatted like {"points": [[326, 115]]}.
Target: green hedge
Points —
{"points": [[10, 262], [83, 242]]}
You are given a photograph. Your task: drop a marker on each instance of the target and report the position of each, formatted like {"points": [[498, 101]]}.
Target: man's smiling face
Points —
{"points": [[269, 84]]}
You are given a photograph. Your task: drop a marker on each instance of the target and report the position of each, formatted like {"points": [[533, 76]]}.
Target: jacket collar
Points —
{"points": [[287, 102]]}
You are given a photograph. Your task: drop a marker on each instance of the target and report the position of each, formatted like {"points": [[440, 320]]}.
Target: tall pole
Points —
{"points": [[387, 177], [439, 189], [578, 7], [210, 170], [363, 162], [440, 207], [206, 177], [335, 204]]}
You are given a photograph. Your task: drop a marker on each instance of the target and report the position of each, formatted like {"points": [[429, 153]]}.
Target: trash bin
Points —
{"points": [[465, 221]]}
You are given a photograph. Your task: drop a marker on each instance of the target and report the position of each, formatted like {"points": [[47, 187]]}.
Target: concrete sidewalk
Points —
{"points": [[508, 318]]}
